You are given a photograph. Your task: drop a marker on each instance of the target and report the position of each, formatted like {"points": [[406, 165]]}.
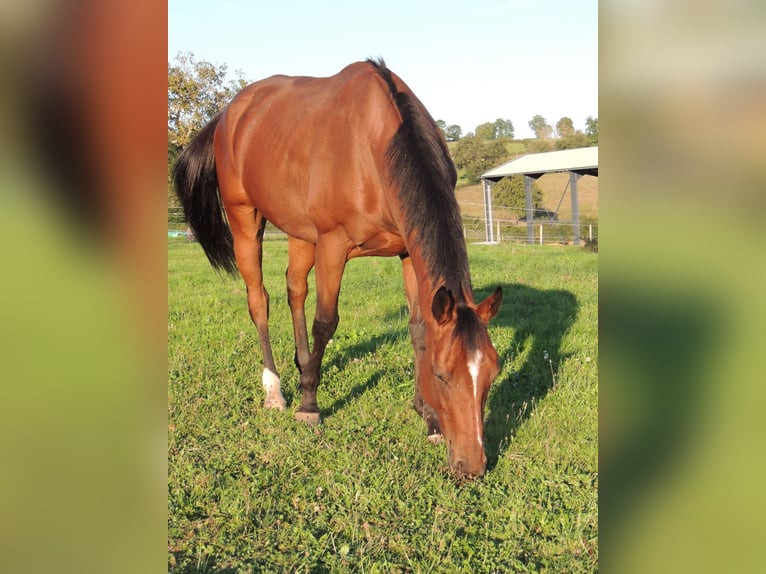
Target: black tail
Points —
{"points": [[196, 185]]}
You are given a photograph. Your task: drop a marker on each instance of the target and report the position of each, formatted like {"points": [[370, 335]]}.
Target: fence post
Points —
{"points": [[573, 177], [590, 232], [541, 234], [488, 227], [530, 210], [498, 232]]}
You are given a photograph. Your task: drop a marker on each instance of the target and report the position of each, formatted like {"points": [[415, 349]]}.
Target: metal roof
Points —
{"points": [[582, 160]]}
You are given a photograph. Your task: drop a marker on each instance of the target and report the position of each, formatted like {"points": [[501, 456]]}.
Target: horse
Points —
{"points": [[347, 166]]}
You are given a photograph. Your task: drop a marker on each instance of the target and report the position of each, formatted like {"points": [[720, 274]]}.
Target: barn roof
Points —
{"points": [[583, 161]]}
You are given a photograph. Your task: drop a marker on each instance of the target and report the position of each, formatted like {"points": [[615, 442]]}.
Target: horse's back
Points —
{"points": [[308, 151]]}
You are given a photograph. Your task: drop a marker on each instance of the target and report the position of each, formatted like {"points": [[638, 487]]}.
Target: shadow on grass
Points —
{"points": [[539, 317]]}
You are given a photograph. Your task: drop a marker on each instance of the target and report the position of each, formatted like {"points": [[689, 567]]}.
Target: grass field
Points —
{"points": [[254, 490]]}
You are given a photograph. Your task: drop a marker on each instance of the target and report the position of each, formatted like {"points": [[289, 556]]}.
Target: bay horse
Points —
{"points": [[347, 166]]}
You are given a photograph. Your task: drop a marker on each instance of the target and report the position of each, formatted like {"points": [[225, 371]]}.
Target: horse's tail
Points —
{"points": [[196, 184]]}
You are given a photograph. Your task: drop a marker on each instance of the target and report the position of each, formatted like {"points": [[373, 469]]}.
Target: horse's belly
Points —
{"points": [[383, 244]]}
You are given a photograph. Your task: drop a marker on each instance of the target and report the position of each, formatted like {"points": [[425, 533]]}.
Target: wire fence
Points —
{"points": [[544, 231]]}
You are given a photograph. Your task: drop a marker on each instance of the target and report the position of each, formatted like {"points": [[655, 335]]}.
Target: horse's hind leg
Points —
{"points": [[247, 229], [301, 260]]}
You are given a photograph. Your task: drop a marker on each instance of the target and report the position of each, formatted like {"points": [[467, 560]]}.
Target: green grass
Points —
{"points": [[254, 490]]}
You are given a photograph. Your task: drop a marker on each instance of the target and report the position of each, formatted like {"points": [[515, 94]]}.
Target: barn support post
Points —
{"points": [[530, 210], [489, 230], [573, 177]]}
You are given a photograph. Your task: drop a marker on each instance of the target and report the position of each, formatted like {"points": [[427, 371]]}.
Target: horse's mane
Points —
{"points": [[421, 169]]}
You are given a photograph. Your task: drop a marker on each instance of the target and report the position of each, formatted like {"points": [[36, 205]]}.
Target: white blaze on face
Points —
{"points": [[474, 362]]}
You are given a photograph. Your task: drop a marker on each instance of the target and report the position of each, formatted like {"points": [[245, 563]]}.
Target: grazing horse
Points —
{"points": [[347, 166]]}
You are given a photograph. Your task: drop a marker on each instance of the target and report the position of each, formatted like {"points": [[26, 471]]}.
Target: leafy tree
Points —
{"points": [[565, 127], [197, 91], [541, 128], [509, 193], [539, 145], [577, 139], [477, 156], [485, 131], [499, 129], [591, 129], [442, 125], [503, 129], [453, 133]]}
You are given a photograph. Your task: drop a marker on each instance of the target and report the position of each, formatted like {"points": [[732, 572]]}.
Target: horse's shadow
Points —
{"points": [[349, 353], [539, 320]]}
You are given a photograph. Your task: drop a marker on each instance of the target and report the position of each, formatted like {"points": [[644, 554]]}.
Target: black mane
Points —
{"points": [[422, 170]]}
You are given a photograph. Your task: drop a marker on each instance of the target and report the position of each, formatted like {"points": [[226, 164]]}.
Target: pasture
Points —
{"points": [[251, 490]]}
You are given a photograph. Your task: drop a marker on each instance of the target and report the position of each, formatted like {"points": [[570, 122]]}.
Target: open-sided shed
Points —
{"points": [[578, 162]]}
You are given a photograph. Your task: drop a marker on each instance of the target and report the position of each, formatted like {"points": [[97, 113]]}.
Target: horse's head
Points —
{"points": [[457, 369]]}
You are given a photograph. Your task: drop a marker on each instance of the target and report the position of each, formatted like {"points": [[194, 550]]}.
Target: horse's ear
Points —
{"points": [[488, 308], [443, 306]]}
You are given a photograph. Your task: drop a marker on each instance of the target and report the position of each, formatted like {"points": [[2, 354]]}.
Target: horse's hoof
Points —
{"points": [[274, 403], [308, 418], [435, 438]]}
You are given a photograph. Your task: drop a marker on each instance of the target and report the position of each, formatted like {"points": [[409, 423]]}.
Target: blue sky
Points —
{"points": [[469, 61]]}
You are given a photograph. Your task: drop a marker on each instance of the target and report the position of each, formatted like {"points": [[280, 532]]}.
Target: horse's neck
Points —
{"points": [[429, 282]]}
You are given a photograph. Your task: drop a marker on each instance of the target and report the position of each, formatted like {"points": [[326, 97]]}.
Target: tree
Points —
{"points": [[541, 128], [485, 131], [503, 129], [565, 127], [197, 91], [453, 133], [591, 129], [476, 156], [577, 139], [509, 193], [442, 126], [539, 146], [499, 129]]}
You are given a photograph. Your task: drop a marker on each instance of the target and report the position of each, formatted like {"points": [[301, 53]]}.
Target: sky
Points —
{"points": [[469, 61]]}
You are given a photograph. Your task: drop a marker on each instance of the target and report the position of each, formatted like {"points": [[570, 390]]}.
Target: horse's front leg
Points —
{"points": [[301, 259], [330, 263]]}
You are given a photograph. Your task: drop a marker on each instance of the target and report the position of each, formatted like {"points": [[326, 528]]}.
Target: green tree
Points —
{"points": [[591, 129], [442, 126], [197, 91], [577, 139], [476, 156], [453, 133], [565, 127], [541, 127], [485, 131], [499, 129], [509, 193], [539, 145], [503, 129]]}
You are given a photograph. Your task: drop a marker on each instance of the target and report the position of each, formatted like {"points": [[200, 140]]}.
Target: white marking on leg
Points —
{"points": [[273, 387], [473, 368], [270, 381]]}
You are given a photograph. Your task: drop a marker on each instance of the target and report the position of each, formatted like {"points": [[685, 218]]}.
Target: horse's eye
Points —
{"points": [[442, 378]]}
